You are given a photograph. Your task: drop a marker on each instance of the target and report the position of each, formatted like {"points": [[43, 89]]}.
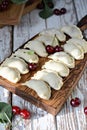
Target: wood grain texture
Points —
{"points": [[68, 118]]}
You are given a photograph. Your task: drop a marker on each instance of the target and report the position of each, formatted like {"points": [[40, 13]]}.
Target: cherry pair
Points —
{"points": [[24, 112], [75, 102], [59, 12], [50, 49]]}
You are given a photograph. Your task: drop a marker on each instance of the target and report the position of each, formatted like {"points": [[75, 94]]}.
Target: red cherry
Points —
{"points": [[50, 49], [63, 11], [58, 48], [85, 110], [57, 12], [25, 114], [32, 66], [16, 110], [75, 102]]}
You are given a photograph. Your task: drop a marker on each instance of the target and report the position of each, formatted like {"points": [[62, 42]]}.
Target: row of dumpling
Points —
{"points": [[59, 65], [17, 64]]}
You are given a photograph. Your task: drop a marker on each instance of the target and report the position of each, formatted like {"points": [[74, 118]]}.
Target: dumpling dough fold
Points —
{"points": [[58, 66], [72, 31], [37, 47], [63, 57], [40, 87], [11, 74], [17, 63], [74, 51], [27, 55], [48, 40], [79, 42], [53, 79], [52, 32]]}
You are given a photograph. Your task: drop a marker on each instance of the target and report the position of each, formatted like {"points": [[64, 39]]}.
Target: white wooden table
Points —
{"points": [[11, 37]]}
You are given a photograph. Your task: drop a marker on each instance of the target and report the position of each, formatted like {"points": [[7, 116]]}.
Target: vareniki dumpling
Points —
{"points": [[11, 74], [40, 87], [37, 47], [58, 66], [79, 42], [72, 31], [17, 63], [27, 55], [52, 32], [53, 79], [74, 51], [63, 57], [48, 40]]}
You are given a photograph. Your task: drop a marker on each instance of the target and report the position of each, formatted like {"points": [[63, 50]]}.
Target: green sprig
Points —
{"points": [[46, 12]]}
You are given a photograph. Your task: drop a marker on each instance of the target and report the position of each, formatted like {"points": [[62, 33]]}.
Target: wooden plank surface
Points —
{"points": [[69, 118], [5, 51]]}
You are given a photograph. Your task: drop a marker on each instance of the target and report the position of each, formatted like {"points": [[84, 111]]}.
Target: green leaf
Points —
{"points": [[5, 112], [19, 1], [30, 52], [46, 12]]}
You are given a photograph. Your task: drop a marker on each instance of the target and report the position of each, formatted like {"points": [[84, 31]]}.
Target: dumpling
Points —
{"points": [[37, 47], [58, 66], [17, 63], [72, 31], [11, 74], [53, 79], [63, 57], [52, 32], [79, 42], [74, 51], [48, 40], [27, 55], [40, 87]]}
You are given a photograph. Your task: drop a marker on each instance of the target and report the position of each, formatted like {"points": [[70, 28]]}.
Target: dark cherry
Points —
{"points": [[4, 5], [56, 12], [50, 4], [32, 66], [63, 11], [85, 110], [75, 102], [58, 48], [40, 5], [25, 114], [50, 49], [16, 110]]}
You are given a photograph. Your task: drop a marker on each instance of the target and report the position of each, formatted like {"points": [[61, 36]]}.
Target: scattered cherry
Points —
{"points": [[63, 11], [32, 66], [85, 110], [75, 102], [56, 12], [4, 5], [25, 114], [58, 48], [50, 49], [16, 110]]}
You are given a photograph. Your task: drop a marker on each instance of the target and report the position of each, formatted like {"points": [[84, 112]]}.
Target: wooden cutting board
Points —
{"points": [[12, 15], [58, 98]]}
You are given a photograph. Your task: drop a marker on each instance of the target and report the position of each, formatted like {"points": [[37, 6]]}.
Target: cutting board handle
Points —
{"points": [[82, 24]]}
